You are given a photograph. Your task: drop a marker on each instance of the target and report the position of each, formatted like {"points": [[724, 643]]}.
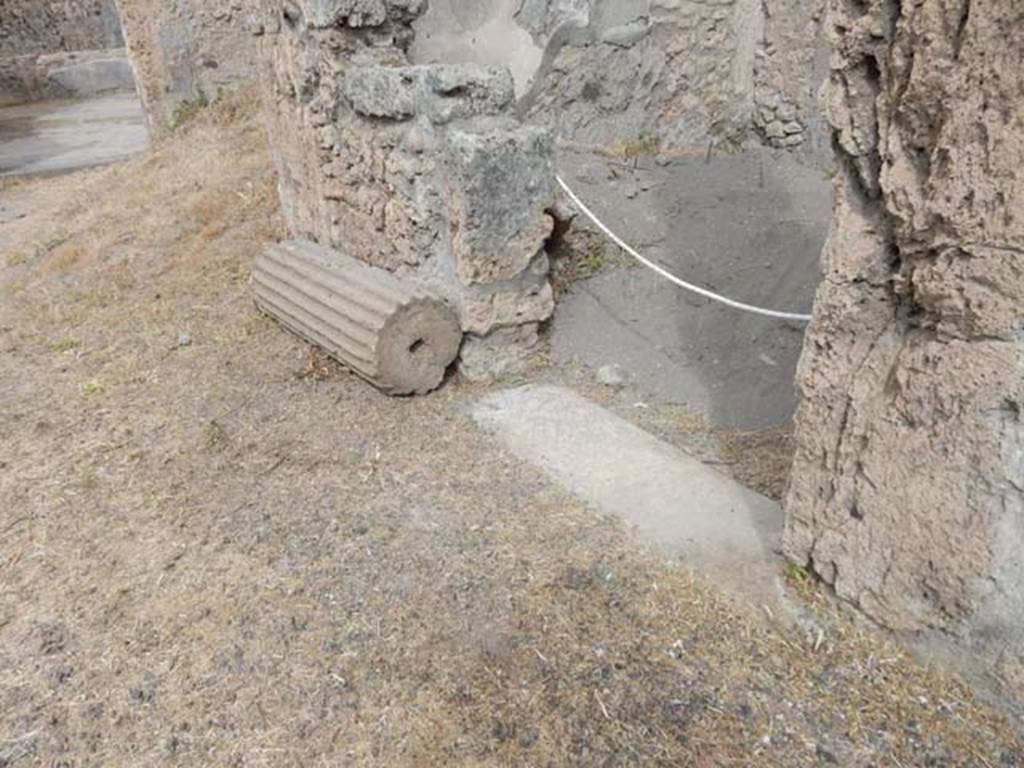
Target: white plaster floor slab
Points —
{"points": [[688, 510], [51, 137]]}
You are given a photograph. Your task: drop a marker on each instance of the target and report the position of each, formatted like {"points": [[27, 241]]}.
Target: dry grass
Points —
{"points": [[760, 459], [10, 183], [228, 553], [579, 254]]}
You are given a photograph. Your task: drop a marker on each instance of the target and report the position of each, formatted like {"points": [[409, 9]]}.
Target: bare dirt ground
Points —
{"points": [[219, 549], [749, 225]]}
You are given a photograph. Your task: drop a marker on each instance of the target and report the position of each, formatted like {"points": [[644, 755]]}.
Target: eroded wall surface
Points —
{"points": [[790, 67], [907, 494], [419, 137], [57, 48], [188, 51], [649, 72], [421, 170], [646, 73], [48, 26]]}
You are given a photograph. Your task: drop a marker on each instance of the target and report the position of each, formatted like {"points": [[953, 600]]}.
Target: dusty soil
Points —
{"points": [[219, 549], [749, 225]]}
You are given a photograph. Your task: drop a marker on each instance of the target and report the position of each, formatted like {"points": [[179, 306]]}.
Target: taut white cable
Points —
{"points": [[668, 275]]}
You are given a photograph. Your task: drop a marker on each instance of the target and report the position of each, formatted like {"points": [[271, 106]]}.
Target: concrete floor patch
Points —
{"points": [[687, 509], [50, 137]]}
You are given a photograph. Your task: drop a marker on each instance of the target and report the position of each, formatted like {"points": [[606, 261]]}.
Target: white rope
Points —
{"points": [[668, 275]]}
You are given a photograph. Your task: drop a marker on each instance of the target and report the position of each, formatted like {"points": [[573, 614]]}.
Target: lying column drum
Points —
{"points": [[389, 331]]}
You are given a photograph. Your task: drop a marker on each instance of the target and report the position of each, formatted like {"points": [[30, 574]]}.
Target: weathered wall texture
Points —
{"points": [[394, 125], [417, 169], [64, 75], [49, 26], [57, 48], [908, 489], [187, 51], [600, 72], [651, 71], [790, 66]]}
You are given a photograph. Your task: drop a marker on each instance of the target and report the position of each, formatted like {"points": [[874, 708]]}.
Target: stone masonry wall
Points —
{"points": [[907, 494], [648, 71], [790, 66], [57, 48], [651, 73], [187, 51], [49, 26], [645, 73], [35, 77], [420, 170], [394, 126]]}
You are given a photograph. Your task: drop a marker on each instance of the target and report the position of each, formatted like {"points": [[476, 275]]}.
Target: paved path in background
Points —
{"points": [[51, 137]]}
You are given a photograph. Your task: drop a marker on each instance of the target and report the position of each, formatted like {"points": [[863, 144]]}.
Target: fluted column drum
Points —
{"points": [[389, 331]]}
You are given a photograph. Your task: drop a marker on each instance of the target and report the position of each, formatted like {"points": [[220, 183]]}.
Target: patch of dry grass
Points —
{"points": [[760, 459], [640, 146], [10, 183], [231, 553], [579, 254]]}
